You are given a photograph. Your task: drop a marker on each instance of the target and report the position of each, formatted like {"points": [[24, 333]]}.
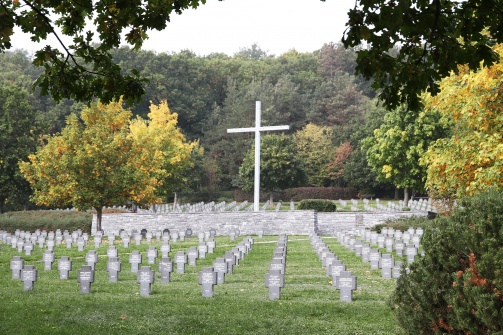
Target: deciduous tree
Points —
{"points": [[280, 167], [315, 149], [84, 70], [18, 137], [433, 38], [396, 147], [471, 160], [104, 159]]}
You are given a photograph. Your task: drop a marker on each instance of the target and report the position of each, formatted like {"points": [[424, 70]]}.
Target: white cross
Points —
{"points": [[257, 129]]}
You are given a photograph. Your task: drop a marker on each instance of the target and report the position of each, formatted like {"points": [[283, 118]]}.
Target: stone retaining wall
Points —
{"points": [[272, 223]]}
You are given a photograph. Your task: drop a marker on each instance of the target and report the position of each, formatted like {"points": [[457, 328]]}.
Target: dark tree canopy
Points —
{"points": [[430, 37], [85, 70]]}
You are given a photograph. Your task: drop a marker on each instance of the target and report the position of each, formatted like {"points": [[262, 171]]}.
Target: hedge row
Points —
{"points": [[318, 205], [46, 220], [301, 193]]}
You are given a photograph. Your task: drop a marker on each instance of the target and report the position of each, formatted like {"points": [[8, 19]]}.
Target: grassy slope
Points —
{"points": [[308, 304]]}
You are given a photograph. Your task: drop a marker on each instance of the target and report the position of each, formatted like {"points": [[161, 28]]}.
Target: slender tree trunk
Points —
{"points": [[270, 199], [397, 193], [175, 200], [406, 197], [99, 215]]}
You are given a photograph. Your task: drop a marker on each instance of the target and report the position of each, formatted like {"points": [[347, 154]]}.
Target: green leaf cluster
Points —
{"points": [[411, 44]]}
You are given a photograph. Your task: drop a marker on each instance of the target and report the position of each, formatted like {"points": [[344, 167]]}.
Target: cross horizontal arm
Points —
{"points": [[253, 129]]}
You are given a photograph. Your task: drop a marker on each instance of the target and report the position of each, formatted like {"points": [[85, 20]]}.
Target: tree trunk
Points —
{"points": [[175, 200], [406, 197], [271, 200], [397, 193], [99, 215]]}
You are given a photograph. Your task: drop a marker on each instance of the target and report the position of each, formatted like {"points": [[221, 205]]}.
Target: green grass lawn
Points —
{"points": [[308, 303]]}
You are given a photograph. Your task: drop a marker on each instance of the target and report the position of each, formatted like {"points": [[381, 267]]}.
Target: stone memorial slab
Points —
{"points": [[81, 243], [346, 283], [29, 276], [135, 259], [85, 276], [125, 241], [151, 254], [165, 249], [145, 277], [92, 258], [192, 254], [180, 261], [64, 267], [386, 265], [207, 279], [374, 258], [16, 265], [28, 248], [48, 259], [274, 281], [221, 267], [114, 267], [211, 244], [165, 269]]}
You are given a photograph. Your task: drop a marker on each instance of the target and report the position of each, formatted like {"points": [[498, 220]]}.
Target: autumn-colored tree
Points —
{"points": [[472, 159], [315, 149], [104, 159], [336, 167]]}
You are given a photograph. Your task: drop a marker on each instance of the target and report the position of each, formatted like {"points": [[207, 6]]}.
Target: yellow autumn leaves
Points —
{"points": [[105, 158], [471, 160]]}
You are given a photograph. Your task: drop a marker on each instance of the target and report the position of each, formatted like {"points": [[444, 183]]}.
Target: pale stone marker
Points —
{"points": [[180, 260], [221, 267], [29, 275], [48, 259], [85, 276], [64, 267], [145, 277], [114, 268], [207, 279], [274, 281], [165, 269], [346, 284], [16, 265], [135, 260]]}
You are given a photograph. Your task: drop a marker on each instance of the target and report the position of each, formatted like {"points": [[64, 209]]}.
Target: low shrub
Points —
{"points": [[457, 286], [318, 205], [46, 220]]}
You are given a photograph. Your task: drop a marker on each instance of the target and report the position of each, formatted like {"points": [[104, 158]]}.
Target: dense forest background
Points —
{"points": [[328, 108]]}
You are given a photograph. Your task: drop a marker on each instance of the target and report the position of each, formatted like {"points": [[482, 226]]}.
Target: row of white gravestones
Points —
{"points": [[275, 278], [393, 241], [378, 261], [27, 241], [342, 280], [211, 276]]}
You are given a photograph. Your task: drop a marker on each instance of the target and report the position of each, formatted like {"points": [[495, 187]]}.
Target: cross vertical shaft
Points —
{"points": [[257, 129]]}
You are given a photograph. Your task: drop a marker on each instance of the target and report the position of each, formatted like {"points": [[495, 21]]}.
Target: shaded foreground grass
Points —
{"points": [[308, 304]]}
